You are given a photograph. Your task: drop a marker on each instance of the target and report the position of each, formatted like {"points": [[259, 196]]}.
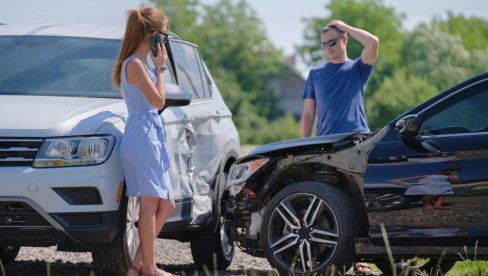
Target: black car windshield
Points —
{"points": [[57, 66]]}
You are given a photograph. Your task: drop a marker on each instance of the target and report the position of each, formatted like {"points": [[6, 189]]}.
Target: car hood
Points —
{"points": [[326, 143], [45, 116]]}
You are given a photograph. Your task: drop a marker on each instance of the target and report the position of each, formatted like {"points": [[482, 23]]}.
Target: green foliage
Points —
{"points": [[473, 32], [435, 55], [470, 268], [397, 95], [412, 66], [260, 131], [234, 45]]}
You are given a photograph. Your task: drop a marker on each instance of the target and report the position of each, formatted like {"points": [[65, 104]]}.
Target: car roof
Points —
{"points": [[72, 30]]}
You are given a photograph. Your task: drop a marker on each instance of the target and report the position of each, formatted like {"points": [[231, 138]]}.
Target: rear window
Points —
{"points": [[57, 66]]}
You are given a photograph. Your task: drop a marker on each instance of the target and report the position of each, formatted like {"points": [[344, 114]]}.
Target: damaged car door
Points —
{"points": [[191, 161]]}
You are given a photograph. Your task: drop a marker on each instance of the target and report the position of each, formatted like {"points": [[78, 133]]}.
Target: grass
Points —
{"points": [[469, 268]]}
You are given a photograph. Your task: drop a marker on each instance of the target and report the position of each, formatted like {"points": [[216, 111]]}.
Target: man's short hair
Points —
{"points": [[328, 28]]}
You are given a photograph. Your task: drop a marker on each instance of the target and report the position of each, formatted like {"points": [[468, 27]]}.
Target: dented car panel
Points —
{"points": [[338, 159]]}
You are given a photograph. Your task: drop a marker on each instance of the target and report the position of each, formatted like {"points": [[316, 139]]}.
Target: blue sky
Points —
{"points": [[281, 18]]}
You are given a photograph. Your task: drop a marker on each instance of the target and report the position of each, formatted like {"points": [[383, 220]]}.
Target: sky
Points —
{"points": [[282, 19]]}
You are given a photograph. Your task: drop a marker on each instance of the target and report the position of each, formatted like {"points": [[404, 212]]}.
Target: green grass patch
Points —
{"points": [[469, 268]]}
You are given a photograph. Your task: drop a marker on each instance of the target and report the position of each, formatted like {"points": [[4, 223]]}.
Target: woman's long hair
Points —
{"points": [[139, 23]]}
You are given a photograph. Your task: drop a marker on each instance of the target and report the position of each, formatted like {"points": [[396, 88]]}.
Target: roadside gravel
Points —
{"points": [[173, 255]]}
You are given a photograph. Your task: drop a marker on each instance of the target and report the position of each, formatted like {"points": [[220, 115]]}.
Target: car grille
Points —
{"points": [[19, 214], [18, 152]]}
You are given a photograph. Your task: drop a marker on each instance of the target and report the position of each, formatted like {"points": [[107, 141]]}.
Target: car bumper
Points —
{"points": [[77, 205]]}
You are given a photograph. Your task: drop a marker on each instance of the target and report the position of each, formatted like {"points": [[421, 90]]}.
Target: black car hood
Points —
{"points": [[299, 145]]}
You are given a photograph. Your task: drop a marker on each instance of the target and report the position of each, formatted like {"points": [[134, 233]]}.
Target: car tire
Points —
{"points": [[8, 253], [214, 250], [307, 228], [115, 258], [430, 267]]}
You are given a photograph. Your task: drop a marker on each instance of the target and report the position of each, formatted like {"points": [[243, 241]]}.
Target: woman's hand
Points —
{"points": [[162, 57]]}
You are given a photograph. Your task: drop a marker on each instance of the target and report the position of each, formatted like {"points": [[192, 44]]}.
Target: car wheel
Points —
{"points": [[214, 251], [430, 267], [308, 227], [8, 253], [115, 258]]}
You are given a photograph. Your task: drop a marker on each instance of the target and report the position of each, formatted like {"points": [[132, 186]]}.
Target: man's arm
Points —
{"points": [[308, 117], [371, 43]]}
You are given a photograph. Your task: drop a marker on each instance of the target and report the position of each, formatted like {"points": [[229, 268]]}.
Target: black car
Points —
{"points": [[309, 204]]}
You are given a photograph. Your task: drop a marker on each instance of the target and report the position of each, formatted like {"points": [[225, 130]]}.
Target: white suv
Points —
{"points": [[61, 180]]}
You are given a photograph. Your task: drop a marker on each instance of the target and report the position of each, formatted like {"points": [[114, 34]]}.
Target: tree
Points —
{"points": [[397, 95], [473, 31], [233, 43], [437, 56]]}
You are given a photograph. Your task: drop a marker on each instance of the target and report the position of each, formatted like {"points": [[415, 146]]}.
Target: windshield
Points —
{"points": [[57, 66]]}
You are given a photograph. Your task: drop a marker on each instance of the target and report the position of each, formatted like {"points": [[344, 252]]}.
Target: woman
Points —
{"points": [[142, 151]]}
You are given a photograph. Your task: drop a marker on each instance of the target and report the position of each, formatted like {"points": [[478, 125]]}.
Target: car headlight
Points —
{"points": [[239, 173], [74, 151]]}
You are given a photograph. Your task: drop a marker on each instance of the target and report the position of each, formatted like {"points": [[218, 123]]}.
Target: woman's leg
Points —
{"points": [[146, 225], [439, 204], [427, 203], [165, 209]]}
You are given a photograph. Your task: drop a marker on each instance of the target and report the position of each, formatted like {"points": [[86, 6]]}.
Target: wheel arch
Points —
{"points": [[218, 190]]}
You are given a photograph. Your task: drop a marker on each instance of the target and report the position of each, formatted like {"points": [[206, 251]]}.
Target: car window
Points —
{"points": [[57, 66], [463, 113], [205, 78], [188, 69]]}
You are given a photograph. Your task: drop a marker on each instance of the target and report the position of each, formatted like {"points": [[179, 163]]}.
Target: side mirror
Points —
{"points": [[176, 96], [408, 126]]}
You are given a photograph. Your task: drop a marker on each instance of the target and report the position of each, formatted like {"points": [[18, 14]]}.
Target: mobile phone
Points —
{"points": [[155, 40]]}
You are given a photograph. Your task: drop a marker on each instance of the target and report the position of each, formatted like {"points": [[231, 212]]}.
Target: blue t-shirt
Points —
{"points": [[338, 91]]}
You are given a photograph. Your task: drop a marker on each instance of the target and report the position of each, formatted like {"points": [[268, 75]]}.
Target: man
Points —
{"points": [[335, 90]]}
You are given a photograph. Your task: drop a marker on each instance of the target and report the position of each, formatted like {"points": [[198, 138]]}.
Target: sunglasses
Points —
{"points": [[330, 43], [165, 36]]}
